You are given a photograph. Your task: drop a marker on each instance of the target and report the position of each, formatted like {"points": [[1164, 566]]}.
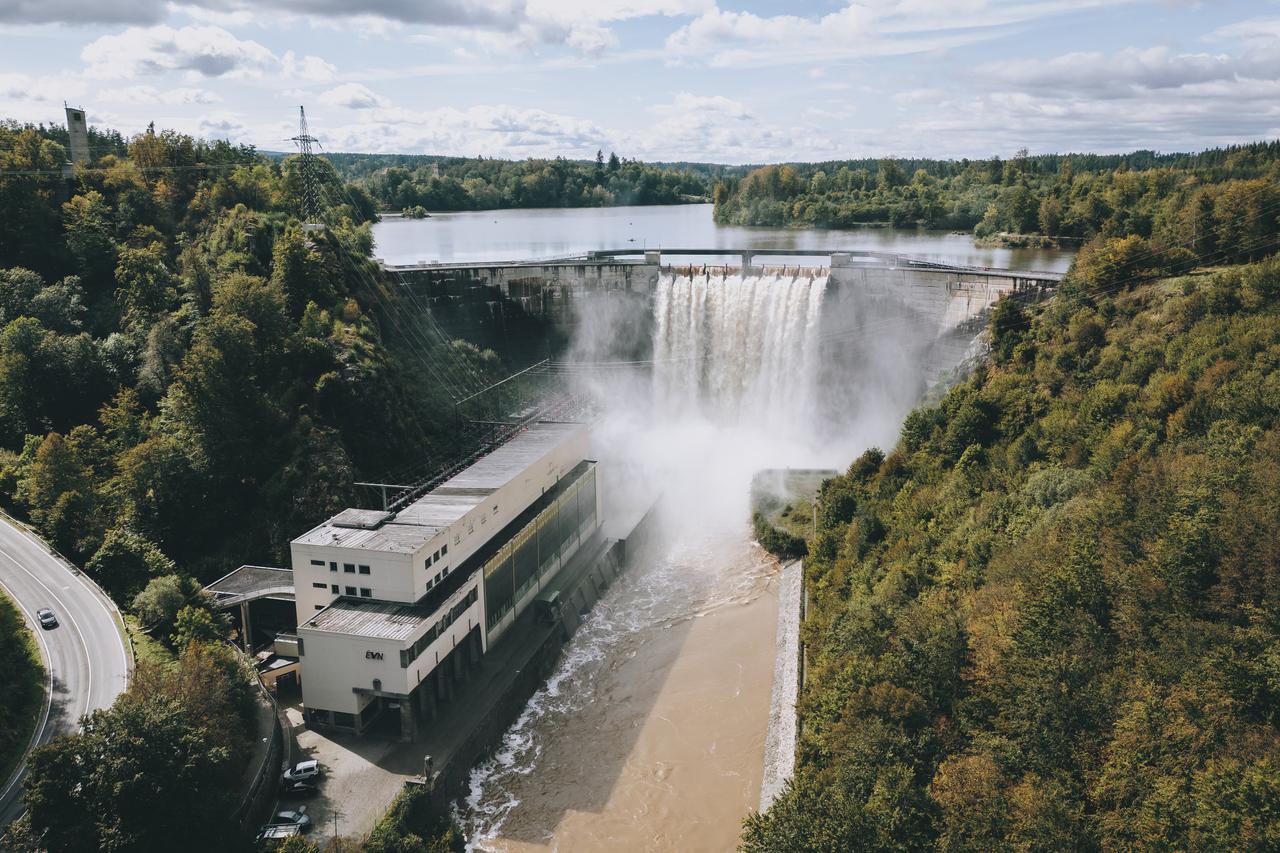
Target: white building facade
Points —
{"points": [[387, 603]]}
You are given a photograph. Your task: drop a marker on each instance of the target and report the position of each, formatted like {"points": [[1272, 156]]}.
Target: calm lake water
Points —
{"points": [[505, 235]]}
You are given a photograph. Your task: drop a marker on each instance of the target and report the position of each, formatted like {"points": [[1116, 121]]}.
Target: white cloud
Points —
{"points": [[150, 96], [862, 28], [353, 96], [491, 130], [201, 51], [206, 51], [43, 89], [1127, 71], [311, 68], [590, 39]]}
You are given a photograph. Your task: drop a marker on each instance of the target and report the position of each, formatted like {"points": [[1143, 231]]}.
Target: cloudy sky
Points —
{"points": [[712, 80]]}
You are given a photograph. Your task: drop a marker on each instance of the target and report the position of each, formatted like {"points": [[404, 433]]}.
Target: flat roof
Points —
{"points": [[412, 527], [379, 619], [249, 582]]}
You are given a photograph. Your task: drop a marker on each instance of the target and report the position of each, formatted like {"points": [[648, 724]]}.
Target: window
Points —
{"points": [[457, 538], [333, 567], [364, 570], [349, 568], [319, 563], [334, 589], [320, 585], [428, 562], [319, 607], [365, 592], [444, 549], [300, 648], [351, 590]]}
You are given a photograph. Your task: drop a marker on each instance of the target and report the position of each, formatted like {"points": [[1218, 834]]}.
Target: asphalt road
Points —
{"points": [[86, 657]]}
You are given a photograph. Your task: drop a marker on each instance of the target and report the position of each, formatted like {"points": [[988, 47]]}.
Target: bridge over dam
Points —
{"points": [[532, 308]]}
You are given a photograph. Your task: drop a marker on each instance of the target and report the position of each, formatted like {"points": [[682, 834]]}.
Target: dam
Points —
{"points": [[905, 321]]}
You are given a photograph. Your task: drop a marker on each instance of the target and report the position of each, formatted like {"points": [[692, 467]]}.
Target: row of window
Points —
{"points": [[442, 551], [348, 568], [364, 591], [409, 655]]}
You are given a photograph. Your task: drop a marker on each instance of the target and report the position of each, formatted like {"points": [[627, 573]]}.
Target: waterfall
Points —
{"points": [[738, 348]]}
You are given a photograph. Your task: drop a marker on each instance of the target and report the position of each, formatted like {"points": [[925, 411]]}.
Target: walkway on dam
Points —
{"points": [[746, 257]]}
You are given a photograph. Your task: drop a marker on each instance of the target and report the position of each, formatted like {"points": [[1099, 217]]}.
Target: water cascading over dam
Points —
{"points": [[734, 347]]}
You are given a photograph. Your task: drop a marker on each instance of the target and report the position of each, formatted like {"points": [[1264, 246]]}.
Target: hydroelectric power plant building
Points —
{"points": [[391, 605]]}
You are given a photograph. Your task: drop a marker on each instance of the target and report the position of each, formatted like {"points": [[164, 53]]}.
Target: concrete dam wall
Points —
{"points": [[929, 311]]}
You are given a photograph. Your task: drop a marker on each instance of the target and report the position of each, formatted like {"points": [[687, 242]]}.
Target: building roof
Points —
{"points": [[378, 619], [415, 525], [250, 582]]}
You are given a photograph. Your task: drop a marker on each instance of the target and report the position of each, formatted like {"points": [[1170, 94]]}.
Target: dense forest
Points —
{"points": [[420, 184], [1058, 196], [184, 368], [1049, 619], [189, 377]]}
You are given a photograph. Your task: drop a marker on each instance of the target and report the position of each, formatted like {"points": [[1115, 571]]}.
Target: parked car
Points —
{"points": [[302, 771], [297, 817], [47, 619], [301, 788]]}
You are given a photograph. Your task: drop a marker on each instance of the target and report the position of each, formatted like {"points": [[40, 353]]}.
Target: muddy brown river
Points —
{"points": [[650, 734]]}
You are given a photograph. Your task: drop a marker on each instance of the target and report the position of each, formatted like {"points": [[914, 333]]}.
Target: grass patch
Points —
{"points": [[145, 646], [21, 683]]}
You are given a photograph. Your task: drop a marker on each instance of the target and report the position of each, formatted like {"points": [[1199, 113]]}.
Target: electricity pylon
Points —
{"points": [[308, 173]]}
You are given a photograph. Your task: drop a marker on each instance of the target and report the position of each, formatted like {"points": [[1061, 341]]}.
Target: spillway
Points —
{"points": [[732, 347]]}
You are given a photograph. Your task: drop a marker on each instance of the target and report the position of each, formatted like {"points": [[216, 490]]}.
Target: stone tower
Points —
{"points": [[78, 129]]}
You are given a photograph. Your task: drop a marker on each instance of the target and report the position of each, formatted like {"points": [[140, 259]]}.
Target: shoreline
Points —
{"points": [[783, 730]]}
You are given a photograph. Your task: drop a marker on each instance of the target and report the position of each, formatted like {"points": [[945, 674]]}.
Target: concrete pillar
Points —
{"points": [[746, 261], [408, 722], [461, 671], [246, 639], [654, 258]]}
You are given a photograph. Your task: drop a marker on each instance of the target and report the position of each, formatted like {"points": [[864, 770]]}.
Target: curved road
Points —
{"points": [[86, 656]]}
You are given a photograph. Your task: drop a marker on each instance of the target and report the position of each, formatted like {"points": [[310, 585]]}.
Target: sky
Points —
{"points": [[704, 80]]}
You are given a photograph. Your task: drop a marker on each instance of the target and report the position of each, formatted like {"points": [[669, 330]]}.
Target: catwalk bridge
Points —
{"points": [[632, 267]]}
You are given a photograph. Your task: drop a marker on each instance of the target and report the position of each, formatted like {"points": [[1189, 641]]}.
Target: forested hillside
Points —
{"points": [[404, 182], [1050, 618], [186, 376], [1059, 196], [22, 674]]}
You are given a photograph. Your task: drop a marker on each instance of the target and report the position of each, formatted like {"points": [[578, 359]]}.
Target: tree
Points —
{"points": [[175, 737], [158, 604], [146, 285], [87, 220], [196, 625], [127, 562]]}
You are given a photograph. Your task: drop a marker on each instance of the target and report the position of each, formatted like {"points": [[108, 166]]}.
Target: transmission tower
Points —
{"points": [[308, 173]]}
